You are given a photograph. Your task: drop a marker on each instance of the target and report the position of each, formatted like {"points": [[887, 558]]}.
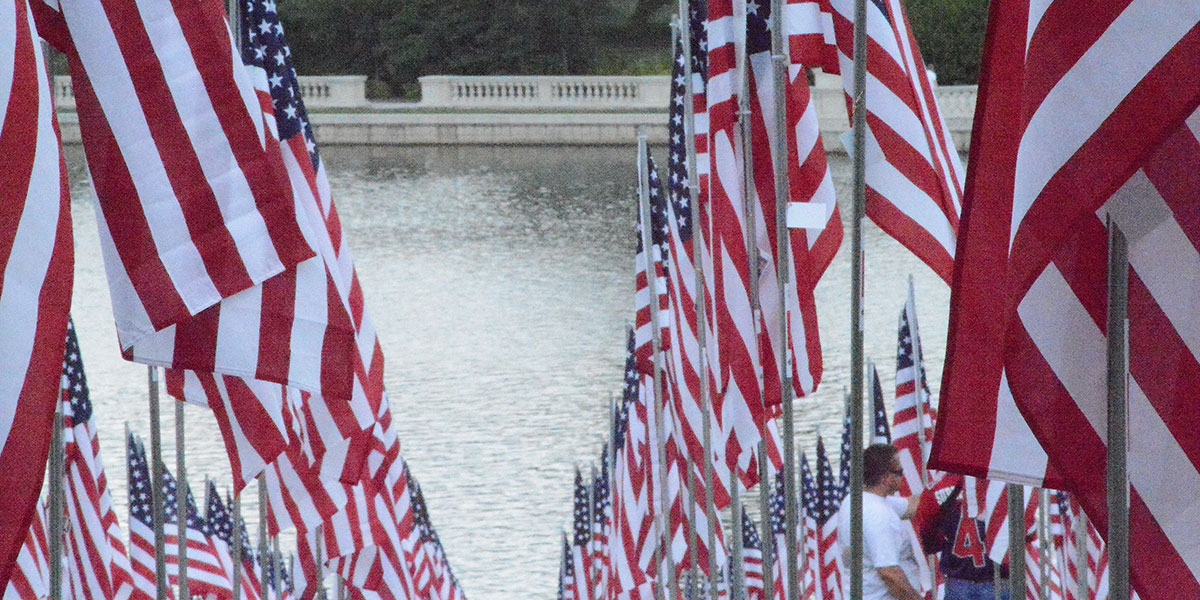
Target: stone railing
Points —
{"points": [[559, 92], [319, 91]]}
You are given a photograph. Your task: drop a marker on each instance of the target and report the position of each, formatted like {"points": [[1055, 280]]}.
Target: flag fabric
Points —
{"points": [[914, 416], [913, 173], [752, 558], [97, 562], [1027, 347], [601, 522], [846, 451], [777, 520], [683, 241], [987, 500], [829, 500], [219, 522], [880, 432], [810, 571], [582, 539], [35, 282], [141, 521], [566, 573], [206, 573], [30, 578], [632, 540], [651, 272], [191, 207]]}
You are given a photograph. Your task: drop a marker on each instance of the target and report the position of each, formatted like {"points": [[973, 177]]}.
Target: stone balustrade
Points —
{"points": [[319, 91], [546, 92]]}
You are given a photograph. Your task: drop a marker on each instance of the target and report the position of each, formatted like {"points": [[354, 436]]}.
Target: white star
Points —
{"points": [[290, 111], [752, 8], [269, 6], [280, 58], [264, 27], [276, 80], [260, 52], [279, 28], [311, 145]]}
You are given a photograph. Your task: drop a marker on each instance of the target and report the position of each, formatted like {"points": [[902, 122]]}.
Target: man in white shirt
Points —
{"points": [[890, 570]]}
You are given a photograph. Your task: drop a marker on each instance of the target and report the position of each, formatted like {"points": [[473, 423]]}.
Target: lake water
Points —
{"points": [[501, 282]]}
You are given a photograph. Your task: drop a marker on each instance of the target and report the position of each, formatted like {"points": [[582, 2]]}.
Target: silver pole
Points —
{"points": [[341, 587], [156, 493], [181, 507], [779, 62], [278, 563], [737, 572], [767, 539], [262, 535], [662, 519], [1081, 554], [1016, 541], [997, 592], [1118, 412], [1044, 544], [856, 297], [320, 563], [55, 475], [236, 550], [800, 552]]}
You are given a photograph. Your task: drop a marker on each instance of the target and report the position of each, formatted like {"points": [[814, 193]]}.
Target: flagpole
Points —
{"points": [[1117, 476], [765, 489], [856, 298], [699, 291], [156, 491], [1081, 553], [278, 564], [780, 62], [1044, 543], [1016, 540], [56, 468], [661, 520], [801, 549], [181, 492], [737, 566], [236, 550], [262, 534], [320, 563]]}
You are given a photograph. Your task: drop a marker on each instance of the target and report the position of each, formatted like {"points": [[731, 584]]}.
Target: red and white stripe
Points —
{"points": [[914, 175], [35, 274], [913, 416], [97, 562], [632, 544], [1049, 170], [987, 500], [189, 203], [30, 579]]}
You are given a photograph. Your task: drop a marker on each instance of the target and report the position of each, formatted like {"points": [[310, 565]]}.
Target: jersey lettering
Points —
{"points": [[967, 542]]}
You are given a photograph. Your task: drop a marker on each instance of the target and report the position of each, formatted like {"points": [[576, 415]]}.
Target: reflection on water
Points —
{"points": [[500, 280]]}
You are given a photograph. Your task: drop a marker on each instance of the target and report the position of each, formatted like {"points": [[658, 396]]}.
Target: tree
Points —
{"points": [[950, 34]]}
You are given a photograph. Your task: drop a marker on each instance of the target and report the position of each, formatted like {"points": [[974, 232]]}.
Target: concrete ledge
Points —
{"points": [[590, 129]]}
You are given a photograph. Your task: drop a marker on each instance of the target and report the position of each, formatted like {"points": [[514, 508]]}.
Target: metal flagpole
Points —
{"points": [[320, 560], [737, 567], [262, 534], [156, 493], [997, 592], [278, 564], [55, 475], [800, 552], [236, 550], [689, 114], [1044, 544], [1117, 476], [1081, 553], [767, 540], [662, 522], [181, 493], [780, 62], [1016, 540], [856, 298]]}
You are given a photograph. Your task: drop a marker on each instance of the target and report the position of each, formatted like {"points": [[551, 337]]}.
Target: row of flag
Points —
{"points": [[1063, 145], [97, 564], [227, 266]]}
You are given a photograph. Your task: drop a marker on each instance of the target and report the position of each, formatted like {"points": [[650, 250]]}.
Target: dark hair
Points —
{"points": [[877, 461]]}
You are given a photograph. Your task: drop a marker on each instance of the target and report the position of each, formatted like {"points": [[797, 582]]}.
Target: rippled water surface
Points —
{"points": [[501, 282]]}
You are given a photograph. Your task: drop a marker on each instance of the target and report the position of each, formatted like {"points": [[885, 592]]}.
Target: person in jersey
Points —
{"points": [[969, 573], [890, 570]]}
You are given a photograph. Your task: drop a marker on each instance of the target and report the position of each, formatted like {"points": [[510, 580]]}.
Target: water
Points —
{"points": [[501, 283]]}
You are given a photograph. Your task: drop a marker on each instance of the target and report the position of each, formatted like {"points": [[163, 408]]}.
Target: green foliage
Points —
{"points": [[394, 42], [950, 34]]}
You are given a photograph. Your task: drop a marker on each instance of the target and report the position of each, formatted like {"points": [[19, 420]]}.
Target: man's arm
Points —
{"points": [[897, 584]]}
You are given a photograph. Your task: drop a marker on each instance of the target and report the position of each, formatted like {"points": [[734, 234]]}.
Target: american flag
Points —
{"points": [[752, 558], [30, 578], [141, 521], [1048, 170], [681, 281], [914, 176], [912, 438], [219, 522], [880, 432], [582, 539], [98, 564], [651, 273], [192, 207], [566, 572], [829, 499], [601, 523], [777, 520], [206, 573], [846, 451], [633, 519], [810, 499], [35, 282]]}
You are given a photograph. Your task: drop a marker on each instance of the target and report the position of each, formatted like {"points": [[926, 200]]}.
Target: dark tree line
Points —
{"points": [[394, 42]]}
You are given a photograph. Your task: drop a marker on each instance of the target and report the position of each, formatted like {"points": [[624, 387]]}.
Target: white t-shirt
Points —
{"points": [[885, 544]]}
